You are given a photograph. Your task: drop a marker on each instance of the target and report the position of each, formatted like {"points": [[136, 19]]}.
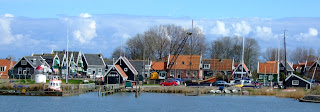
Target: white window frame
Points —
{"points": [[269, 77], [172, 73], [260, 76], [195, 73], [23, 62], [295, 82], [100, 71], [20, 70], [28, 70], [3, 68], [89, 71], [125, 69], [188, 74]]}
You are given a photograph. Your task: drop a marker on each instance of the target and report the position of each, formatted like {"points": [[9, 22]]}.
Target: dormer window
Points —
{"points": [[183, 62], [23, 62]]}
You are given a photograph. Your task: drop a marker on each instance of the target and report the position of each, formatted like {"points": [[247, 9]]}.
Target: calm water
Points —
{"points": [[154, 102]]}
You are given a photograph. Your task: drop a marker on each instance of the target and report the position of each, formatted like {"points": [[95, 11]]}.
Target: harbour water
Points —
{"points": [[153, 102]]}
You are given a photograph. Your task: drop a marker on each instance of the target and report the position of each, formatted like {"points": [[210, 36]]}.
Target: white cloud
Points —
{"points": [[264, 32], [309, 36], [84, 28], [85, 15], [8, 15], [6, 35], [220, 29], [241, 29], [313, 32]]}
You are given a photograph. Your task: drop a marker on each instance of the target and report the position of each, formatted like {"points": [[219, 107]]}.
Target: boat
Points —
{"points": [[55, 84]]}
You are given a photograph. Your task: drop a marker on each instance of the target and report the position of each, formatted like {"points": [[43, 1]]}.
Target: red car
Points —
{"points": [[169, 83]]}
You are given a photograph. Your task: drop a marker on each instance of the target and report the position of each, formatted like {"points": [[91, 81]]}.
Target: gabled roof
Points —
{"points": [[293, 75], [245, 68], [120, 71], [158, 65], [268, 68], [289, 66], [61, 54], [183, 62], [93, 59], [314, 63], [126, 61], [38, 61], [309, 63], [219, 64]]}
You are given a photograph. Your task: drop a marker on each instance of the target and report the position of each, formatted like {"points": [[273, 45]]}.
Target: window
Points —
{"points": [[188, 74], [2, 68], [19, 71], [28, 70], [195, 73], [23, 62], [270, 77], [100, 71], [206, 66], [89, 70], [24, 72], [260, 76], [147, 67], [183, 62], [172, 73], [34, 61], [125, 69], [295, 82]]}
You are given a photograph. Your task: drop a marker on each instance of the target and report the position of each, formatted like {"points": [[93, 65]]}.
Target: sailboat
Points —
{"points": [[241, 73]]}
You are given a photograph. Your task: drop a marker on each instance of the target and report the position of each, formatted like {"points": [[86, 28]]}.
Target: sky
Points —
{"points": [[39, 26]]}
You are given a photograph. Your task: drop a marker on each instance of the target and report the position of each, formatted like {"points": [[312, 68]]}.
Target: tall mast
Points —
{"points": [[191, 47], [242, 62], [278, 79], [67, 51], [285, 53]]}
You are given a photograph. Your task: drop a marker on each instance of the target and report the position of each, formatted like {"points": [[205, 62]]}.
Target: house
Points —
{"points": [[268, 71], [75, 62], [300, 68], [52, 60], [212, 66], [120, 71], [186, 67], [296, 81], [160, 69], [94, 65], [311, 69], [241, 71], [5, 65], [26, 66], [289, 68], [143, 70]]}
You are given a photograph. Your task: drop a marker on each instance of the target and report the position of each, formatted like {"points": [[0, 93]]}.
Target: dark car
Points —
{"points": [[220, 83], [169, 83]]}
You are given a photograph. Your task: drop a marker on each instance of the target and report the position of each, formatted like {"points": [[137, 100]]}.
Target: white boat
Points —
{"points": [[55, 84]]}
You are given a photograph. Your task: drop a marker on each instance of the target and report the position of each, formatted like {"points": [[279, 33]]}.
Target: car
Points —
{"points": [[220, 83], [169, 83]]}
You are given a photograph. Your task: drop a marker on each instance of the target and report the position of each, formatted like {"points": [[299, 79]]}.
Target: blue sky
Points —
{"points": [[36, 26]]}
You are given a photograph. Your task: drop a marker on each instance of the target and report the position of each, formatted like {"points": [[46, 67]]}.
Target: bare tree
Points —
{"points": [[270, 54], [299, 55]]}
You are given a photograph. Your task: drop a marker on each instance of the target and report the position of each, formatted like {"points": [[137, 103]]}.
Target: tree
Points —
{"points": [[116, 53], [299, 55], [270, 54]]}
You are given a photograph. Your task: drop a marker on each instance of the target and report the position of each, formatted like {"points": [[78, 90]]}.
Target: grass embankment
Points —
{"points": [[299, 93]]}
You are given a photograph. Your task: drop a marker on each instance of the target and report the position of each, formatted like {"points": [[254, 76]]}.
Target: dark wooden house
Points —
{"points": [[26, 66], [296, 81]]}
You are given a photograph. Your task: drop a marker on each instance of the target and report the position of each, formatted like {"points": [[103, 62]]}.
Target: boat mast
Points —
{"points": [[242, 62], [67, 52]]}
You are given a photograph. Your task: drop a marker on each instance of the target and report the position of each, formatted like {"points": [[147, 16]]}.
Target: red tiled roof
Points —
{"points": [[122, 73], [183, 62], [295, 66], [220, 65], [268, 68], [9, 64], [158, 65], [309, 63]]}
